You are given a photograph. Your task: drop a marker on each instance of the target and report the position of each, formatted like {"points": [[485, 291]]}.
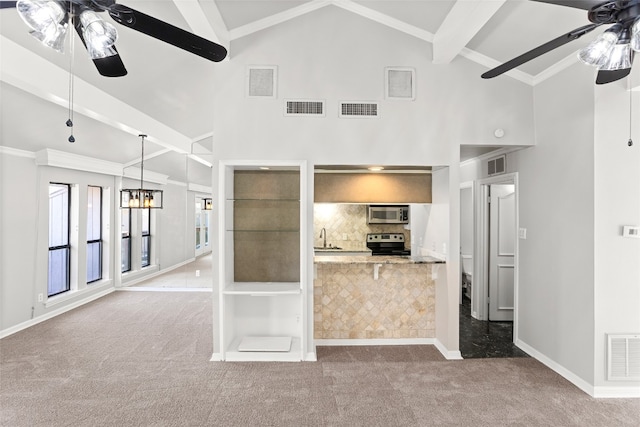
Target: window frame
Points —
{"points": [[128, 240], [67, 246], [99, 240], [145, 238]]}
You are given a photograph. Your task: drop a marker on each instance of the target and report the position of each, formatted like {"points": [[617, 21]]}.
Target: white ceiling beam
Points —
{"points": [[462, 23], [278, 18], [27, 71], [194, 15], [383, 19]]}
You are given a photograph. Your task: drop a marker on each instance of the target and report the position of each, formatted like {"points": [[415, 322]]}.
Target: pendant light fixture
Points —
{"points": [[141, 198]]}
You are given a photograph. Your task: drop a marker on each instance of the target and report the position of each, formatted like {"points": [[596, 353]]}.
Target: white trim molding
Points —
{"points": [[61, 159], [10, 151], [448, 354], [53, 313]]}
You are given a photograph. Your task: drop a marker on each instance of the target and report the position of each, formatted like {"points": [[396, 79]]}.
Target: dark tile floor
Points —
{"points": [[483, 339]]}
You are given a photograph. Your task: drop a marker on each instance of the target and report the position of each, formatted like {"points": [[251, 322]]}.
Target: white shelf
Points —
{"points": [[262, 288], [265, 344], [293, 355]]}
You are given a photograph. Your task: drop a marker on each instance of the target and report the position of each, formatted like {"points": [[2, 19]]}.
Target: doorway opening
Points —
{"points": [[489, 262]]}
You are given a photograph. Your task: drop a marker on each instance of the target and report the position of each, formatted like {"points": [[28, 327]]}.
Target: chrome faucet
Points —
{"points": [[323, 233]]}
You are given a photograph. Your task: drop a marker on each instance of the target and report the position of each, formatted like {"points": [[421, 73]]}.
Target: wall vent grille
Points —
{"points": [[497, 165], [359, 109], [623, 357], [304, 108]]}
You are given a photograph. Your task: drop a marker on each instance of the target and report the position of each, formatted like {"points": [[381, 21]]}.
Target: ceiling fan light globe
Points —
{"points": [[597, 52], [635, 35], [40, 14], [620, 58], [100, 36], [52, 37]]}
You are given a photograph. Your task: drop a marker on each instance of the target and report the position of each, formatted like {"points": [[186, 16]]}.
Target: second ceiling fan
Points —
{"points": [[49, 19], [612, 52]]}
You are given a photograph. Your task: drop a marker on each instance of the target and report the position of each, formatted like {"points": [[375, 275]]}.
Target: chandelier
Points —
{"points": [[141, 198]]}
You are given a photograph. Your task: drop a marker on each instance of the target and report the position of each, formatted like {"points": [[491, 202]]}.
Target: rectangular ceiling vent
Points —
{"points": [[497, 165], [304, 108], [623, 357], [359, 109]]}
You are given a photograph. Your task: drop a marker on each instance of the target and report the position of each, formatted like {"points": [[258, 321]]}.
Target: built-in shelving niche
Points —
{"points": [[262, 279]]}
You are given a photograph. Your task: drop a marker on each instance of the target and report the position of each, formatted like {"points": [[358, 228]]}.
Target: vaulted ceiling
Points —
{"points": [[166, 93]]}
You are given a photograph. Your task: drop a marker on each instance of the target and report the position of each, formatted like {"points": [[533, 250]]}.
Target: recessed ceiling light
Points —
{"points": [[264, 168], [375, 168]]}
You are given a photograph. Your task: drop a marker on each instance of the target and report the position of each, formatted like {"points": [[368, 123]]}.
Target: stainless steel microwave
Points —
{"points": [[387, 214]]}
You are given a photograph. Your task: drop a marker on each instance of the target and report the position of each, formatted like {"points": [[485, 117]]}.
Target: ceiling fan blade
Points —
{"points": [[578, 4], [7, 4], [607, 76], [111, 66], [540, 50], [167, 33]]}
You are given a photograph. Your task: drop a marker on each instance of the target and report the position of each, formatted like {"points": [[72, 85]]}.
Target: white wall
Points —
{"points": [[617, 203], [466, 227], [24, 207], [18, 235], [556, 177], [25, 238], [334, 55]]}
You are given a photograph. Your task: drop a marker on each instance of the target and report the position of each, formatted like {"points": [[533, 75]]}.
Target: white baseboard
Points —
{"points": [[555, 366], [216, 357], [151, 272], [616, 392], [53, 313], [159, 289], [449, 355]]}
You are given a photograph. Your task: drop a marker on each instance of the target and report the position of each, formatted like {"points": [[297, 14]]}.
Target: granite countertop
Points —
{"points": [[364, 259]]}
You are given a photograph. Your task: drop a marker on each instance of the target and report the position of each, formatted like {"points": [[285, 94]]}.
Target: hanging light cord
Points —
{"points": [[630, 142], [142, 163], [71, 79]]}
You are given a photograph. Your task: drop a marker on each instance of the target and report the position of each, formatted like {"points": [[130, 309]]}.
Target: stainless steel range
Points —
{"points": [[387, 244]]}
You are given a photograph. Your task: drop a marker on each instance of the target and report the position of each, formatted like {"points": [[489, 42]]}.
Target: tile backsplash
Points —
{"points": [[349, 220]]}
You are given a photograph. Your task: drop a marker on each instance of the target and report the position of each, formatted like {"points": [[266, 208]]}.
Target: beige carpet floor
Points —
{"points": [[142, 359]]}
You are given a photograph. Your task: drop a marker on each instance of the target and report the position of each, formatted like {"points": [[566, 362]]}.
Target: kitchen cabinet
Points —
{"points": [[262, 280]]}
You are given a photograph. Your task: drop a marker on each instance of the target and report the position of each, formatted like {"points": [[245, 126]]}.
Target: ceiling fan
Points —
{"points": [[612, 52], [49, 19]]}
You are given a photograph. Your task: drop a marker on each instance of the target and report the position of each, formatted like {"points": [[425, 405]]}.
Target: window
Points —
{"points": [[146, 237], [206, 228], [94, 234], [198, 224], [59, 247], [125, 242]]}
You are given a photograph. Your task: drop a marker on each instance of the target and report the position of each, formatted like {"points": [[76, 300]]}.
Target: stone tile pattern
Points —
{"points": [[350, 219], [350, 304]]}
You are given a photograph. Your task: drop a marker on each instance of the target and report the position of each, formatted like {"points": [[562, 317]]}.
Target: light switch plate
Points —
{"points": [[522, 233]]}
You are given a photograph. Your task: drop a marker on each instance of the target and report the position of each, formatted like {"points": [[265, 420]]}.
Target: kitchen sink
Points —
{"points": [[328, 248]]}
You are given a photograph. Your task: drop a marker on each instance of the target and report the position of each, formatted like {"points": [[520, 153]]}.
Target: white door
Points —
{"points": [[502, 239]]}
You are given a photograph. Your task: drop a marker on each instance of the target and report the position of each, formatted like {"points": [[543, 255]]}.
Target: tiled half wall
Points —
{"points": [[349, 220], [350, 303]]}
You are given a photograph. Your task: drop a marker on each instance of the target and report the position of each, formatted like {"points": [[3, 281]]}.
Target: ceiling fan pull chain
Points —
{"points": [[630, 142], [71, 81]]}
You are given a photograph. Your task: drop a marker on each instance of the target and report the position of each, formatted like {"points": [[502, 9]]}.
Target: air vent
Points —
{"points": [[304, 108], [497, 165], [261, 81], [359, 109], [400, 83], [623, 357]]}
